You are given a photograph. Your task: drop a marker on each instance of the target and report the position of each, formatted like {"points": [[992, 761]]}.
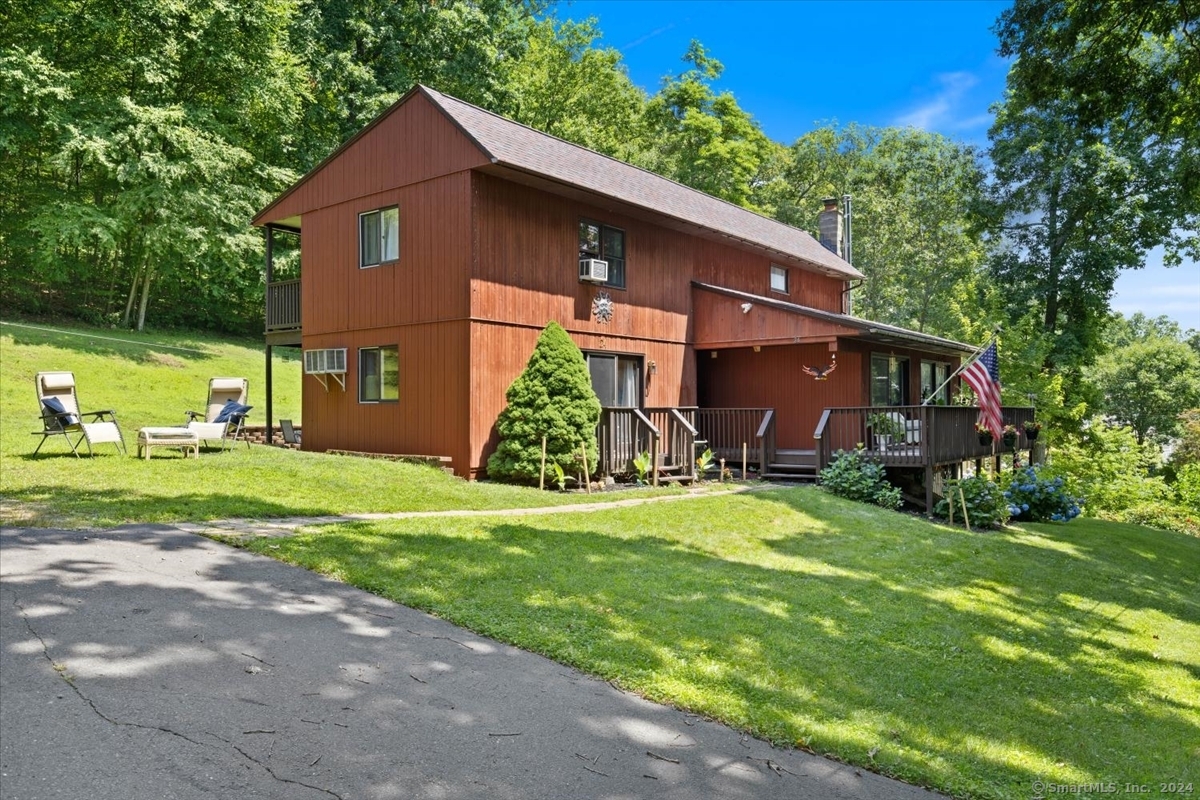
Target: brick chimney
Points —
{"points": [[830, 226]]}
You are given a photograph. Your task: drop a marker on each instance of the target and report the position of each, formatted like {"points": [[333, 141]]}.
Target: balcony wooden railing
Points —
{"points": [[283, 305], [932, 435]]}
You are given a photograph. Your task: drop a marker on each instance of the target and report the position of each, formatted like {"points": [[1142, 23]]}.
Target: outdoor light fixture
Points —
{"points": [[746, 307], [653, 368]]}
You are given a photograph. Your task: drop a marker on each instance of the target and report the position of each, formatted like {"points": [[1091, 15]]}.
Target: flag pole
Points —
{"points": [[974, 357]]}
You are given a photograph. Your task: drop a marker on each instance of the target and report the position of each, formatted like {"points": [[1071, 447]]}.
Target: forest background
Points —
{"points": [[138, 138]]}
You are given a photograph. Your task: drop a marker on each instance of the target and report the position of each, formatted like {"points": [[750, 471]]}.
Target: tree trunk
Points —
{"points": [[145, 298], [133, 287]]}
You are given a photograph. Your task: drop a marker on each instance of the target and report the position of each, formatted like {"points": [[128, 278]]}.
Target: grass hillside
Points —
{"points": [[978, 663], [152, 379]]}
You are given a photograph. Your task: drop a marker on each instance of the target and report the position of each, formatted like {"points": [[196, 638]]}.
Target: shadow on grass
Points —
{"points": [[969, 662], [57, 505], [109, 345]]}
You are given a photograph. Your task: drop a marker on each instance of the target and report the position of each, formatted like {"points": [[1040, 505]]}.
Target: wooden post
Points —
{"points": [[722, 478], [587, 479], [744, 453], [654, 460], [542, 479], [962, 499]]}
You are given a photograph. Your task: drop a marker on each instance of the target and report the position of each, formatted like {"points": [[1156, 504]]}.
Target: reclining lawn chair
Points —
{"points": [[61, 415], [226, 412]]}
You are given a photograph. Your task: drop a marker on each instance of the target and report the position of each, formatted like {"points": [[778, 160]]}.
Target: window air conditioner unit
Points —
{"points": [[593, 270], [320, 363]]}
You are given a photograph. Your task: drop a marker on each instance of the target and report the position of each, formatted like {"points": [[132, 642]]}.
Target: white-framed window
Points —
{"points": [[779, 279], [607, 244], [379, 236], [379, 374]]}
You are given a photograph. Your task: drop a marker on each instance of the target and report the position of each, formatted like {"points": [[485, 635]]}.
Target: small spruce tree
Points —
{"points": [[552, 397]]}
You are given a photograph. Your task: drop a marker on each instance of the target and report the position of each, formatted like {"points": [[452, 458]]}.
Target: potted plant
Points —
{"points": [[885, 427], [985, 435], [1032, 428], [1009, 436]]}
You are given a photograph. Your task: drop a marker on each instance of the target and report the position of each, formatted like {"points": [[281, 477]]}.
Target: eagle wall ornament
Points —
{"points": [[821, 373]]}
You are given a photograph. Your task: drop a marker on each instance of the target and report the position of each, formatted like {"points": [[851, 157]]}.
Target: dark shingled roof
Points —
{"points": [[511, 144]]}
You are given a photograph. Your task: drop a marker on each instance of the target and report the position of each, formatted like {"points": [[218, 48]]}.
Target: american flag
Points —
{"points": [[983, 375]]}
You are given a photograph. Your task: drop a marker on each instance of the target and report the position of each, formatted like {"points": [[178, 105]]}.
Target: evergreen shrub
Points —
{"points": [[552, 397], [856, 476]]}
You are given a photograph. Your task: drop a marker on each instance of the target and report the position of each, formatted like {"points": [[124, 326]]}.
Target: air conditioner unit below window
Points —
{"points": [[593, 270]]}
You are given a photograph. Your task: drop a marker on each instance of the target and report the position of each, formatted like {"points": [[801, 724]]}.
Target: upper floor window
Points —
{"points": [[378, 237], [378, 374], [779, 279], [607, 244]]}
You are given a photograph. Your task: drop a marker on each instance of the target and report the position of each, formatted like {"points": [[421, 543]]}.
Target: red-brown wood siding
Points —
{"points": [[429, 283], [720, 322], [914, 356], [432, 415], [500, 351], [413, 143], [772, 378]]}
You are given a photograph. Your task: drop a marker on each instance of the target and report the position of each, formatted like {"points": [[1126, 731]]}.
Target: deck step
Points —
{"points": [[808, 477], [674, 478]]}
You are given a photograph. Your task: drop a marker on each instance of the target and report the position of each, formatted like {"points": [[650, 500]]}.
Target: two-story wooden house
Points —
{"points": [[439, 241]]}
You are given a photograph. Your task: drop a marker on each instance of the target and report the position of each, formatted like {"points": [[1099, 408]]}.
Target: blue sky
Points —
{"points": [[796, 65]]}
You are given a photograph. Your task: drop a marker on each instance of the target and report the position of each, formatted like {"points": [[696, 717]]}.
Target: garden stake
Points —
{"points": [[962, 499], [744, 461], [542, 479], [587, 479], [721, 479]]}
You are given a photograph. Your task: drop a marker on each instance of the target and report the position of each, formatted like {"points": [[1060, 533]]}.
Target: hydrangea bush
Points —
{"points": [[986, 504], [856, 476], [1036, 497]]}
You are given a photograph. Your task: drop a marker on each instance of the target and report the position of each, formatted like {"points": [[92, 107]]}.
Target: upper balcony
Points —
{"points": [[283, 306]]}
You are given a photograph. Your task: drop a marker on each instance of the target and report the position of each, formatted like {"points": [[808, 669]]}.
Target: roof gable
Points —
{"points": [[520, 147]]}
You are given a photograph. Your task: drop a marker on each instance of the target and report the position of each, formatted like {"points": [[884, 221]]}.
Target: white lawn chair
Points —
{"points": [[219, 420], [61, 416]]}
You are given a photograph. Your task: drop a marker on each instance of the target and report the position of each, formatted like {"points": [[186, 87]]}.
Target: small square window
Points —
{"points": [[379, 237], [379, 374], [779, 279]]}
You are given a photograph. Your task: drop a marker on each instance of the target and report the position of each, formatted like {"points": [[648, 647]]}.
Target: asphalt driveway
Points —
{"points": [[147, 662]]}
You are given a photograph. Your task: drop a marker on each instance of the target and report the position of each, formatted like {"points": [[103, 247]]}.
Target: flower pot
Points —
{"points": [[1031, 435], [985, 439], [1009, 439]]}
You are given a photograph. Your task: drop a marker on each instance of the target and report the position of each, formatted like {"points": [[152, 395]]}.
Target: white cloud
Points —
{"points": [[944, 110]]}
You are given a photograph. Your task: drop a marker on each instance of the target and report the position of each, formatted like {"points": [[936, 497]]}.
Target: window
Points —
{"points": [[889, 380], [933, 375], [607, 244], [379, 237], [379, 374], [616, 380], [779, 279]]}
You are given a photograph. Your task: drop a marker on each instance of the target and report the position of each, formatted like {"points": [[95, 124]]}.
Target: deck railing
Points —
{"points": [[283, 305], [924, 435], [726, 430], [668, 435]]}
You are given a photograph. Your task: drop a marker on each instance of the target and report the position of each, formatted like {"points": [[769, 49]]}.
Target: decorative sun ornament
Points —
{"points": [[602, 308]]}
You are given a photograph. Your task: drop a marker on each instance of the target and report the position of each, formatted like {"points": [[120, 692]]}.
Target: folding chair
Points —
{"points": [[225, 414], [61, 416], [288, 431]]}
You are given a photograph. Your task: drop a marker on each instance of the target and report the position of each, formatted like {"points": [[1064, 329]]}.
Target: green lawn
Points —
{"points": [[974, 663], [153, 380]]}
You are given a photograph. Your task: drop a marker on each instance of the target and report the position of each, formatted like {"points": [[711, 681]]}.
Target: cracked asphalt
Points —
{"points": [[148, 662]]}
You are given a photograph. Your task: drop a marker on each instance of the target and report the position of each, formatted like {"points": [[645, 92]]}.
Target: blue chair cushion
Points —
{"points": [[55, 406], [231, 411]]}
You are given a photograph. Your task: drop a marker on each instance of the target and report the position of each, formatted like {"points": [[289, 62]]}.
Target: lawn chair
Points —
{"points": [[289, 432], [61, 415], [226, 412]]}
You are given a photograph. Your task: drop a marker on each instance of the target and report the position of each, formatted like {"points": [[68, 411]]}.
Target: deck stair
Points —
{"points": [[792, 465]]}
